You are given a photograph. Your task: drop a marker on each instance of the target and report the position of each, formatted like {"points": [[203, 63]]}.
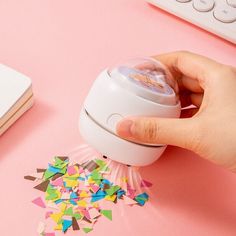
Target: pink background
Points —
{"points": [[62, 46]]}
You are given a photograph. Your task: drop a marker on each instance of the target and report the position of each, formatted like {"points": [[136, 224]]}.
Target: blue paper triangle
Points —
{"points": [[73, 195], [66, 224], [98, 196], [120, 193]]}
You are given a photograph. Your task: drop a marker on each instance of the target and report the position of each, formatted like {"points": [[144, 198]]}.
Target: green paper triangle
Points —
{"points": [[52, 196], [96, 175], [112, 190], [101, 163], [69, 211], [60, 164], [63, 170], [107, 214], [77, 216], [50, 189], [48, 174], [87, 230], [58, 161]]}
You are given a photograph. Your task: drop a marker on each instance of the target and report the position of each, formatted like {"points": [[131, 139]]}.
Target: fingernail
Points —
{"points": [[124, 128]]}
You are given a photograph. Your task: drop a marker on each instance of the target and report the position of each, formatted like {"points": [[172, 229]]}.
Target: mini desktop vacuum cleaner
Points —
{"points": [[141, 87]]}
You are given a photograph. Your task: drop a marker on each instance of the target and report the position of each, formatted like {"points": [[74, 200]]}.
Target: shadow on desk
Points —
{"points": [[189, 189]]}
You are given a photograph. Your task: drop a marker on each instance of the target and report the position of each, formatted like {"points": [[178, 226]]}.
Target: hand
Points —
{"points": [[209, 129]]}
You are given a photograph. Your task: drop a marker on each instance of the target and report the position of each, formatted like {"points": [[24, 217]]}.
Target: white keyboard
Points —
{"points": [[216, 16]]}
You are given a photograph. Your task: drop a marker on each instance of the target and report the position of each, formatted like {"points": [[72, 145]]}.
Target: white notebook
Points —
{"points": [[16, 96]]}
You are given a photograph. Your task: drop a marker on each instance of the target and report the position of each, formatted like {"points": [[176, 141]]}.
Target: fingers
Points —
{"points": [[196, 99], [188, 83], [187, 113], [178, 132], [187, 99], [191, 65]]}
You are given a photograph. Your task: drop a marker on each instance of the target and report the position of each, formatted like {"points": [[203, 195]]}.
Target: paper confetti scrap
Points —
{"points": [[29, 177], [39, 202], [43, 186], [41, 228], [75, 224], [107, 214], [87, 230], [145, 183], [49, 234], [48, 214], [73, 192]]}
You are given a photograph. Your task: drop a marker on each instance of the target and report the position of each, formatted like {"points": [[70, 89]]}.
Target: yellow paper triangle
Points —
{"points": [[82, 203], [95, 205], [56, 216], [83, 194], [58, 227], [111, 198], [71, 183], [124, 179], [63, 206], [91, 181]]}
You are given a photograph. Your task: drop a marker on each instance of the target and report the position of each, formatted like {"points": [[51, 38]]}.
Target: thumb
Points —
{"points": [[151, 130]]}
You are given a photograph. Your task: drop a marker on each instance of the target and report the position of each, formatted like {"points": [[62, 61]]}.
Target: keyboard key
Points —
{"points": [[203, 5], [183, 0], [215, 19], [232, 3], [225, 13]]}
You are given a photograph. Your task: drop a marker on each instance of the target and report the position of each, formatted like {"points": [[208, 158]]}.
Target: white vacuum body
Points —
{"points": [[141, 87]]}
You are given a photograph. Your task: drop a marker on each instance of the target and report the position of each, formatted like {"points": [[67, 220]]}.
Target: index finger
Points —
{"points": [[190, 65]]}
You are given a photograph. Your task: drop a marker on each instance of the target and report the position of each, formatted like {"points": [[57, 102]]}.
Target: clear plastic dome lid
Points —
{"points": [[147, 78]]}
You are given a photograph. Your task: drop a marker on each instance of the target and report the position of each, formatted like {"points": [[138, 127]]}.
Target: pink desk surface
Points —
{"points": [[62, 46]]}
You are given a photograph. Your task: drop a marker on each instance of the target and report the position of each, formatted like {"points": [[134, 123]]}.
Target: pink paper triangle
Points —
{"points": [[49, 234], [57, 182], [85, 213], [71, 170], [39, 202], [131, 193], [145, 183], [47, 214], [95, 188]]}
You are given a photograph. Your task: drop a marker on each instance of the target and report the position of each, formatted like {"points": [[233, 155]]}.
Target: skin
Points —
{"points": [[209, 129]]}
